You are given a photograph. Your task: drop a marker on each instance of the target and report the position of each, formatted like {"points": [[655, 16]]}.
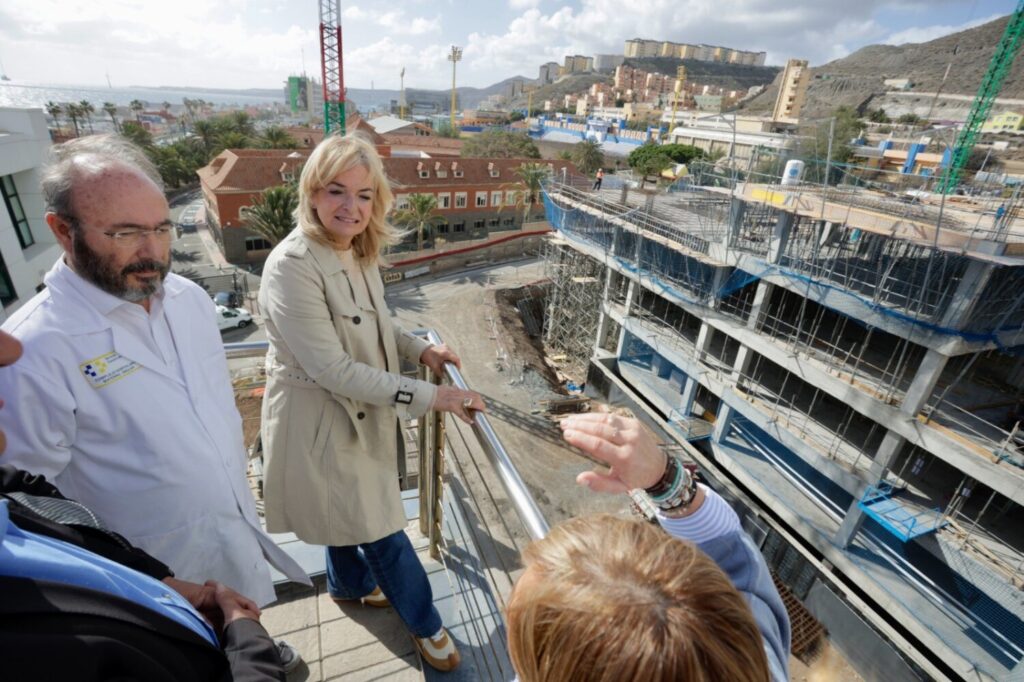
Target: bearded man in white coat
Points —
{"points": [[123, 398]]}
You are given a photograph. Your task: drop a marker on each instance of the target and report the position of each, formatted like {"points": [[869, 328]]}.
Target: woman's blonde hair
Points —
{"points": [[333, 156], [609, 599]]}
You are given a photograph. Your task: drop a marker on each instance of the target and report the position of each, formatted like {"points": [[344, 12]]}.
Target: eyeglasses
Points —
{"points": [[134, 237], [130, 237]]}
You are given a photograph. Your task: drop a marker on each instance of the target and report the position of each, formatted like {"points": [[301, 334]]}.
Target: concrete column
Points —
{"points": [[688, 396], [737, 208], [780, 236], [966, 296], [703, 338], [632, 294], [917, 395], [604, 320], [923, 385], [761, 298], [722, 423]]}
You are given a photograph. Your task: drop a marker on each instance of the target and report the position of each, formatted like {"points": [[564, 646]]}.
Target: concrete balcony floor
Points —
{"points": [[356, 642]]}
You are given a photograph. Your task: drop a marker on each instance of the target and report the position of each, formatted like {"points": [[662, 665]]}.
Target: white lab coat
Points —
{"points": [[159, 460]]}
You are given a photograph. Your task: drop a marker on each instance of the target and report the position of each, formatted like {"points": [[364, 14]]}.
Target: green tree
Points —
{"points": [[111, 110], [445, 130], [54, 110], [240, 122], [86, 110], [137, 134], [276, 137], [813, 145], [531, 182], [910, 119], [74, 113], [878, 116], [420, 215], [652, 158], [232, 139], [207, 133], [272, 216], [137, 105], [587, 156], [516, 116], [500, 144]]}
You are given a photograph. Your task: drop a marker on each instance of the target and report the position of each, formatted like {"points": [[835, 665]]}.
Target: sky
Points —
{"points": [[259, 43]]}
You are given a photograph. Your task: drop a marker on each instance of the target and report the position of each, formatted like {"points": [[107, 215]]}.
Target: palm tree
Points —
{"points": [[86, 109], [531, 182], [137, 106], [233, 140], [420, 215], [207, 133], [276, 137], [74, 111], [111, 110], [272, 216], [587, 156], [54, 110], [241, 122]]}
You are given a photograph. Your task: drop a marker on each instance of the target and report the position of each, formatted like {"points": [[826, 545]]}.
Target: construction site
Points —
{"points": [[845, 363]]}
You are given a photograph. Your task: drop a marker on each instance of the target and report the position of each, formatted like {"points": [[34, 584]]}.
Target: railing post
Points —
{"points": [[436, 476], [424, 475]]}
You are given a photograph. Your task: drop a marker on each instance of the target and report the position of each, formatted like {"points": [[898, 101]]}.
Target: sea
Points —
{"points": [[20, 94], [30, 95]]}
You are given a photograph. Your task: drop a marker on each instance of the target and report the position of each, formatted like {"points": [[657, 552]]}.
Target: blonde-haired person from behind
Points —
{"points": [[334, 394], [607, 599]]}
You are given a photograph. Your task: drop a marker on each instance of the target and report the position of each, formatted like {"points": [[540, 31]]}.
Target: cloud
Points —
{"points": [[394, 20], [922, 34], [523, 4]]}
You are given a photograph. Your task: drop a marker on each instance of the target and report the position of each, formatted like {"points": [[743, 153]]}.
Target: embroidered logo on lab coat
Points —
{"points": [[108, 368]]}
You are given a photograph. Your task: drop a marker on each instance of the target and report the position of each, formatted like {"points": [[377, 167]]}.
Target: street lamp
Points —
{"points": [[454, 57]]}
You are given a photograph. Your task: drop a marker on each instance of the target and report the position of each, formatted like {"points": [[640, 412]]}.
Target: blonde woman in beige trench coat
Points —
{"points": [[334, 392]]}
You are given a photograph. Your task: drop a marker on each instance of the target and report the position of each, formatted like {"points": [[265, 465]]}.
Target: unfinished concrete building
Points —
{"points": [[861, 361]]}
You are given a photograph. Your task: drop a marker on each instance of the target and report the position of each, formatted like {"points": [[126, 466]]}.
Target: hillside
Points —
{"points": [[854, 80], [728, 76]]}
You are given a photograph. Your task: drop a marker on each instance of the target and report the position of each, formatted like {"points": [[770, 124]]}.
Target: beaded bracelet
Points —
{"points": [[679, 493]]}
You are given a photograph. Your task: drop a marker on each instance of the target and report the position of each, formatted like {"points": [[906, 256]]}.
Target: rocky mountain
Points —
{"points": [[857, 80]]}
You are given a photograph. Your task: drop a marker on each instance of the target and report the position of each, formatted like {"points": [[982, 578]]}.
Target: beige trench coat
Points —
{"points": [[329, 412]]}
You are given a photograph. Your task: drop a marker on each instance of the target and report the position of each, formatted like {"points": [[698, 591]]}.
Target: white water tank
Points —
{"points": [[793, 173]]}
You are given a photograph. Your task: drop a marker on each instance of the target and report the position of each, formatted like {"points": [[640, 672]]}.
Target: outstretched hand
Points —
{"points": [[633, 456], [459, 402]]}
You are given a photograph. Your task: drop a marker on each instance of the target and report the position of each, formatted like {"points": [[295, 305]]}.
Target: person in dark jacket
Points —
{"points": [[78, 601]]}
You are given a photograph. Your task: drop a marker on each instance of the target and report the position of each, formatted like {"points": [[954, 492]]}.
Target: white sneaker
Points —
{"points": [[439, 651]]}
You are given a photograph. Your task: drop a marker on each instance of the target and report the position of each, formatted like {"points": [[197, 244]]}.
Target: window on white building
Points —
{"points": [[16, 211], [401, 201], [444, 200], [496, 199], [461, 199], [481, 199]]}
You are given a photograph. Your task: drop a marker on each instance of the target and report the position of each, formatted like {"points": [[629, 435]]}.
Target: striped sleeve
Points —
{"points": [[713, 519]]}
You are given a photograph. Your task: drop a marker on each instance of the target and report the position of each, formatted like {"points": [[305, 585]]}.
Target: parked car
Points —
{"points": [[229, 299], [232, 318]]}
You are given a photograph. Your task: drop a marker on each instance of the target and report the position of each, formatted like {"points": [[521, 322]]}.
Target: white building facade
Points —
{"points": [[27, 247]]}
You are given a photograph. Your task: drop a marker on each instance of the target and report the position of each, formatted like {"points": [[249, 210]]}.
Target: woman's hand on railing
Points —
{"points": [[434, 357], [459, 402]]}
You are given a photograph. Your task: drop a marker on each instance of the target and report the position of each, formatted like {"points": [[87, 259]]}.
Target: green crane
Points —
{"points": [[992, 82]]}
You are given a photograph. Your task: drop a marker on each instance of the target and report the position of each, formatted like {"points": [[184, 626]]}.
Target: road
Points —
{"points": [[195, 258]]}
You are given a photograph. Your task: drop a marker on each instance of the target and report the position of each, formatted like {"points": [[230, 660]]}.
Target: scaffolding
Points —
{"points": [[573, 308]]}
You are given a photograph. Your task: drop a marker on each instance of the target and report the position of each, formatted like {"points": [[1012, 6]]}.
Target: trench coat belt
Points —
{"points": [[293, 376]]}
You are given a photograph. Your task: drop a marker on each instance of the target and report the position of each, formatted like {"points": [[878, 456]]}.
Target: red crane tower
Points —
{"points": [[333, 76]]}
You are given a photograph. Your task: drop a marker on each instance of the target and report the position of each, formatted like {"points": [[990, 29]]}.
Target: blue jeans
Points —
{"points": [[391, 562]]}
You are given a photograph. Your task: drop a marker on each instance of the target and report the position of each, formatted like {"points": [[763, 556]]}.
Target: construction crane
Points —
{"points": [[991, 83], [680, 79], [333, 77]]}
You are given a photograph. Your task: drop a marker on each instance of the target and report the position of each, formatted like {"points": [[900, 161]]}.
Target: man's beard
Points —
{"points": [[97, 269]]}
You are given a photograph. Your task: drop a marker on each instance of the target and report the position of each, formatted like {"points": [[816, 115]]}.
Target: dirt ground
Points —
{"points": [[501, 362]]}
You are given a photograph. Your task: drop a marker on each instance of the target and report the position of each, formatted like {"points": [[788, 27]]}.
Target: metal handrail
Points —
{"points": [[531, 515]]}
